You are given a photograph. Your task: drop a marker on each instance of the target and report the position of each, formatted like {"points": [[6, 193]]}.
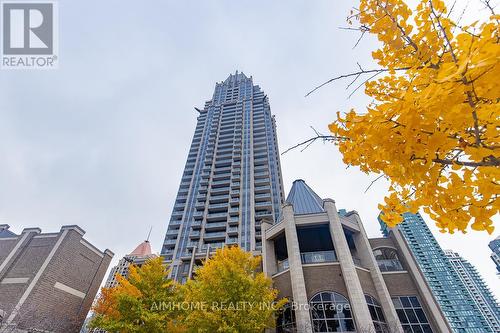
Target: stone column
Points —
{"points": [[268, 254], [383, 295], [356, 296], [191, 263], [302, 315]]}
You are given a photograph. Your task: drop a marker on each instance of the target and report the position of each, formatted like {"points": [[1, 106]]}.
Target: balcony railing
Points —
{"points": [[389, 265], [318, 257], [283, 265]]}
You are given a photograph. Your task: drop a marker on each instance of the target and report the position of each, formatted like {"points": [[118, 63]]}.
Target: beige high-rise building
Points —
{"points": [[232, 178], [338, 279]]}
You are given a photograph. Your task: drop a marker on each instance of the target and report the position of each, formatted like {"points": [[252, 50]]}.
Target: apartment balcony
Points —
{"points": [[259, 143], [198, 215], [222, 163], [261, 174], [265, 204], [215, 235], [234, 211], [222, 171], [232, 241], [222, 157], [194, 234], [261, 181], [195, 224], [262, 214], [192, 244], [235, 193], [234, 220], [318, 257], [222, 176], [217, 207], [232, 230], [234, 201], [259, 161], [203, 189], [213, 246], [200, 205], [235, 185], [175, 222], [258, 234], [220, 183], [263, 196], [218, 199], [219, 190], [262, 189], [177, 214], [216, 226], [216, 216], [174, 232]]}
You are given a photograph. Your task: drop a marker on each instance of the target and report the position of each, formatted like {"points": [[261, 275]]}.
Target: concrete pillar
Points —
{"points": [[383, 296], [191, 263], [269, 264], [356, 295], [302, 315]]}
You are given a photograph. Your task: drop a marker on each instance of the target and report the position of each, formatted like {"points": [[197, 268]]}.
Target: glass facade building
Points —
{"points": [[454, 299], [477, 288], [495, 252], [232, 177]]}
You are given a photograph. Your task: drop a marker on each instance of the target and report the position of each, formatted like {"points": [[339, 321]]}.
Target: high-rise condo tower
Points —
{"points": [[232, 177]]}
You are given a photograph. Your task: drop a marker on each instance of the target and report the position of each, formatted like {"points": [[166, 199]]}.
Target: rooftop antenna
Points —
{"points": [[149, 234]]}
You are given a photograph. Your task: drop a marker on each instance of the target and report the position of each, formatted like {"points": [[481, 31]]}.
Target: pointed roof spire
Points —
{"points": [[303, 199], [142, 250]]}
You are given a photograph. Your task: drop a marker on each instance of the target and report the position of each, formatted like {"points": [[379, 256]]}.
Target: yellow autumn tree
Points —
{"points": [[229, 294], [144, 302], [433, 127]]}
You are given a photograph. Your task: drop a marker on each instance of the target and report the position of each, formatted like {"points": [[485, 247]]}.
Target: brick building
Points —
{"points": [[48, 281]]}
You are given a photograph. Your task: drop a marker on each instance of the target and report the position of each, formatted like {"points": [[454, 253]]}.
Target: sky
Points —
{"points": [[101, 142]]}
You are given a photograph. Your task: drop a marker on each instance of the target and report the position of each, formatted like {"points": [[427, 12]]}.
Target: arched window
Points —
{"points": [[331, 312], [385, 253], [377, 314], [387, 259]]}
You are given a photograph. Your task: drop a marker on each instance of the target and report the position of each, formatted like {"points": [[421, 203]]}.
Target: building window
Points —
{"points": [[331, 312], [411, 315], [377, 314], [387, 259], [285, 323]]}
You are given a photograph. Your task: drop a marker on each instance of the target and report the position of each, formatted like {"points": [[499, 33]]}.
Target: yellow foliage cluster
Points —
{"points": [[228, 294], [433, 128], [239, 296]]}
